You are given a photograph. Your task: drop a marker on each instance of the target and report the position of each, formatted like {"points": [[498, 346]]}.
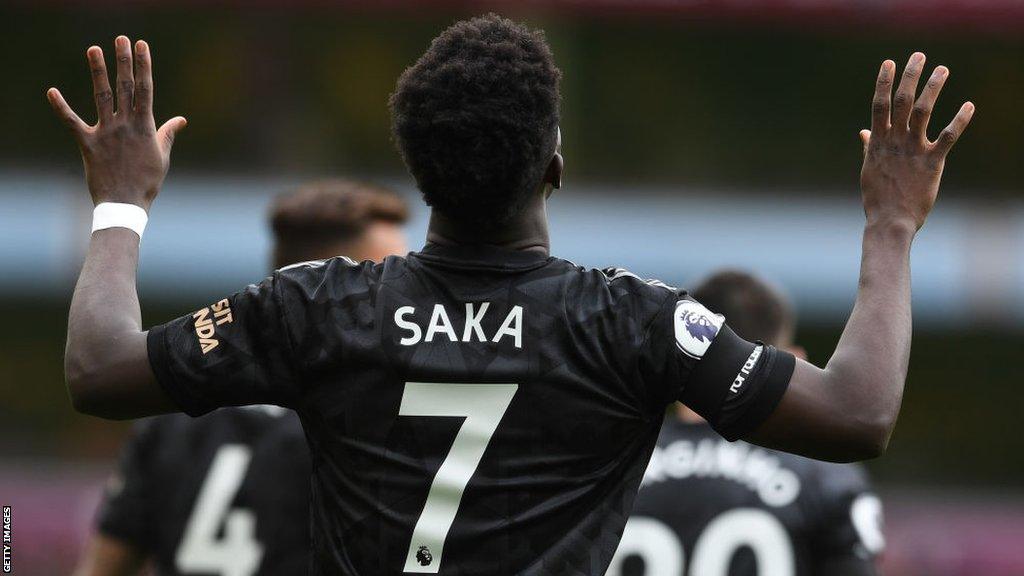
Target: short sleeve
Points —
{"points": [[849, 531], [233, 352], [126, 509], [697, 359]]}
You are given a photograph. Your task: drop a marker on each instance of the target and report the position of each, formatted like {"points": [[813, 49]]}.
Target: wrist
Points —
{"points": [[122, 199], [123, 195], [891, 230], [120, 215]]}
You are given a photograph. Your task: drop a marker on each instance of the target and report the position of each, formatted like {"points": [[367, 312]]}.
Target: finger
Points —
{"points": [[65, 113], [880, 102], [125, 77], [169, 130], [143, 80], [950, 134], [922, 112], [904, 98], [100, 83], [865, 139]]}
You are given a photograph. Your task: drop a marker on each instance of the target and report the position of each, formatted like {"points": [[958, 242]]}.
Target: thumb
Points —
{"points": [[865, 137], [167, 132]]}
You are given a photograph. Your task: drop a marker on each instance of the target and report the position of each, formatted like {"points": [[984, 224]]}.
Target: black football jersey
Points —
{"points": [[469, 410], [222, 495], [712, 508]]}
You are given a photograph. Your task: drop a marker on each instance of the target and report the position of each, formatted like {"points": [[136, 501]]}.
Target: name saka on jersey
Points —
{"points": [[470, 409], [472, 329]]}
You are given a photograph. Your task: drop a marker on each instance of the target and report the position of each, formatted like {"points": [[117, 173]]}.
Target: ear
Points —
{"points": [[553, 175]]}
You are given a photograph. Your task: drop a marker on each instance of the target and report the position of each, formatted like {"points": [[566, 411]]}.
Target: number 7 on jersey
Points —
{"points": [[482, 406]]}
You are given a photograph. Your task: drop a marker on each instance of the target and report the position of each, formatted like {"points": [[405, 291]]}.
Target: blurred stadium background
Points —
{"points": [[697, 134]]}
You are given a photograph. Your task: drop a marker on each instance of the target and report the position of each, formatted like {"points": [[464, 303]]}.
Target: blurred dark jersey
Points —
{"points": [[225, 494], [711, 508], [469, 410]]}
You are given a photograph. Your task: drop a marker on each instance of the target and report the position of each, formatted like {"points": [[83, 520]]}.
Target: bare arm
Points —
{"points": [[107, 556], [126, 158], [847, 410]]}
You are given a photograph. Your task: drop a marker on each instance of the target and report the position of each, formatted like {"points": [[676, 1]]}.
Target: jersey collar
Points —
{"points": [[482, 256]]}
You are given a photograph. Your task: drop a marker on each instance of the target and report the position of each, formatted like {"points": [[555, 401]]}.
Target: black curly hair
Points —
{"points": [[476, 117]]}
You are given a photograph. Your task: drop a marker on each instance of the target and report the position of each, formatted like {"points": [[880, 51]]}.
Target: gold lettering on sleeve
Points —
{"points": [[205, 325]]}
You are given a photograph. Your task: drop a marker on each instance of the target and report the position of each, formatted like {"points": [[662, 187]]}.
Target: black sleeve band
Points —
{"points": [[737, 384], [764, 398], [711, 377]]}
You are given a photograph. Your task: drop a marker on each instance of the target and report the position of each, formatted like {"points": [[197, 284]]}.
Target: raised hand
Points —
{"points": [[126, 157], [902, 168]]}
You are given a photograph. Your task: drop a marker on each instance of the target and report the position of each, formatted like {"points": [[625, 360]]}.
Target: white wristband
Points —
{"points": [[118, 215]]}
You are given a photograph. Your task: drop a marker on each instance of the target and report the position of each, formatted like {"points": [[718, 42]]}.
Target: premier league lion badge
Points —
{"points": [[423, 556], [696, 327]]}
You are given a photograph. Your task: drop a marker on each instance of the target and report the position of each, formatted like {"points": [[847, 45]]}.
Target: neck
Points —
{"points": [[527, 231]]}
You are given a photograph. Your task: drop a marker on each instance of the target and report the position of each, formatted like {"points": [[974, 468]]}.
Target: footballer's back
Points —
{"points": [[468, 410], [713, 508], [227, 493], [485, 444]]}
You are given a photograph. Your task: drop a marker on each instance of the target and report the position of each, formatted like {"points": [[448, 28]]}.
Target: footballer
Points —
{"points": [[482, 406]]}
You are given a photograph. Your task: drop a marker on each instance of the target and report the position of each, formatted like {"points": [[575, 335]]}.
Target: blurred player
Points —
{"points": [[710, 508], [228, 493], [482, 407]]}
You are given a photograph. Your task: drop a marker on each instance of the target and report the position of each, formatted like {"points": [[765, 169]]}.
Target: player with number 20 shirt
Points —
{"points": [[708, 507]]}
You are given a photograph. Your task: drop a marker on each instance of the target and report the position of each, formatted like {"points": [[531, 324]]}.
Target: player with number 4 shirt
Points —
{"points": [[228, 493]]}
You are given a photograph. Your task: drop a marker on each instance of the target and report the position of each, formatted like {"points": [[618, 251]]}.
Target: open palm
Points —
{"points": [[126, 157]]}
